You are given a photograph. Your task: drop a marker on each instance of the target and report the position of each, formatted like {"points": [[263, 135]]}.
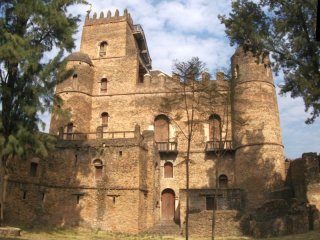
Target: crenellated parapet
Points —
{"points": [[107, 18]]}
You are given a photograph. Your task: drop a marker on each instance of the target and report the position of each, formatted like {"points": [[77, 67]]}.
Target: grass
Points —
{"points": [[85, 234]]}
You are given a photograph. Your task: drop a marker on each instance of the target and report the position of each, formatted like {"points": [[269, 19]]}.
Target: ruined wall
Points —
{"points": [[304, 177]]}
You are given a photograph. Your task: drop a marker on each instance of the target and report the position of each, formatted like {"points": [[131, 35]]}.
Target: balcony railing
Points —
{"points": [[98, 135], [212, 146], [167, 146]]}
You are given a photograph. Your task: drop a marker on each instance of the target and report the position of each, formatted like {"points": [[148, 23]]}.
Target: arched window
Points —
{"points": [[103, 49], [223, 181], [161, 128], [104, 83], [215, 128], [75, 81], [69, 131], [104, 118], [98, 168], [168, 170]]}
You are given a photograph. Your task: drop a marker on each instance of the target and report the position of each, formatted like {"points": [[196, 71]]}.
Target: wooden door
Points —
{"points": [[161, 131], [167, 204]]}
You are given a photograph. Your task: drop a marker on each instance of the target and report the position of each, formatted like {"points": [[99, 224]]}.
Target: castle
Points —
{"points": [[119, 162]]}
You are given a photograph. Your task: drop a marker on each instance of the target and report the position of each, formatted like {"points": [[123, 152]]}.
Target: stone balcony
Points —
{"points": [[167, 147], [216, 146]]}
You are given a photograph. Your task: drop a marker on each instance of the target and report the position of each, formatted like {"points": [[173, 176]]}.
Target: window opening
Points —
{"points": [[24, 195], [215, 128], [69, 131], [168, 170], [104, 118], [161, 128], [98, 169], [33, 169], [75, 81], [104, 84], [43, 194], [223, 181], [103, 49], [120, 153], [209, 203]]}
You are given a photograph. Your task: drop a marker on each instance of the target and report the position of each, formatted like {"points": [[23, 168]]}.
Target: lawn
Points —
{"points": [[84, 234]]}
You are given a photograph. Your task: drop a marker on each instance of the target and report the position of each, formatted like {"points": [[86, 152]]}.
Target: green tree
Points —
{"points": [[287, 30], [29, 30]]}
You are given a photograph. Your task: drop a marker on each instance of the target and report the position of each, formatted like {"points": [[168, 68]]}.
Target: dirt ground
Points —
{"points": [[84, 234]]}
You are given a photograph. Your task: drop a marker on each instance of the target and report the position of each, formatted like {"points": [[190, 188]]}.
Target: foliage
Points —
{"points": [[287, 30], [29, 30]]}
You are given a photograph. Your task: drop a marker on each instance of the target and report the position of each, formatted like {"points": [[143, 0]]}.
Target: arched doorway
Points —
{"points": [[167, 204]]}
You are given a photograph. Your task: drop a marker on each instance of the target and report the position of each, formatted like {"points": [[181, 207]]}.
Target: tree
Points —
{"points": [[286, 29], [29, 30]]}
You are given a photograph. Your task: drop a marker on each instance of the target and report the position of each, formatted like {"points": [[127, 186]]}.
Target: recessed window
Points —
{"points": [[103, 49], [120, 153], [104, 84], [104, 118], [24, 194], [33, 169], [215, 128], [69, 131], [209, 203], [98, 168], [168, 170], [75, 81], [161, 128], [223, 181], [43, 195]]}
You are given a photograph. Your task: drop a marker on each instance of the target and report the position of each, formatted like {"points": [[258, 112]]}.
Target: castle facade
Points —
{"points": [[119, 161]]}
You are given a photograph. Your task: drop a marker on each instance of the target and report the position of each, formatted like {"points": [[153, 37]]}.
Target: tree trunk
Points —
{"points": [[3, 188], [187, 188]]}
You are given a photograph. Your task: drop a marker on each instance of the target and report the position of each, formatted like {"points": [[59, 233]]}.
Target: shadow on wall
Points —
{"points": [[56, 192]]}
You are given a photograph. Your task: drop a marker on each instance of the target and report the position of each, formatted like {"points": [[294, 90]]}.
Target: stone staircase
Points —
{"points": [[165, 228]]}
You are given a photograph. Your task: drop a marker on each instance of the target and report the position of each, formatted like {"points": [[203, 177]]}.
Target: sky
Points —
{"points": [[181, 29]]}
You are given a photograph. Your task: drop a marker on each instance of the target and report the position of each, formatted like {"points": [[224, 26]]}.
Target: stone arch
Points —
{"points": [[161, 128], [98, 168], [167, 204], [104, 119], [223, 181]]}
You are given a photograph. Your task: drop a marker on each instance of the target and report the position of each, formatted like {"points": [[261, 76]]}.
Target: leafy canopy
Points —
{"points": [[29, 30], [286, 28]]}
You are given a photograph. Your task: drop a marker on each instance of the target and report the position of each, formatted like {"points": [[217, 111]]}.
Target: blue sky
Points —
{"points": [[181, 29]]}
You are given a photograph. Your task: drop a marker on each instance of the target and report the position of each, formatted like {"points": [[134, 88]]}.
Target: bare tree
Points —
{"points": [[192, 95]]}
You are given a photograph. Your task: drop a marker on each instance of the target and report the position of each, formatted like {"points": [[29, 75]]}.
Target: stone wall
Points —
{"points": [[227, 224], [66, 191]]}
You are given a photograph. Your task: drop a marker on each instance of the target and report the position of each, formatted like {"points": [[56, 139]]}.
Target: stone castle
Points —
{"points": [[119, 162]]}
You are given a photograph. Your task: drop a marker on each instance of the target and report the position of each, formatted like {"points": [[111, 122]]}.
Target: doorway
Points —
{"points": [[167, 204]]}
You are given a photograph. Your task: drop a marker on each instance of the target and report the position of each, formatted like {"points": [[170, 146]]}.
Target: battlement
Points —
{"points": [[102, 19]]}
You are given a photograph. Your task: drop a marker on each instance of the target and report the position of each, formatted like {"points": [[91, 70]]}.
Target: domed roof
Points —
{"points": [[79, 56]]}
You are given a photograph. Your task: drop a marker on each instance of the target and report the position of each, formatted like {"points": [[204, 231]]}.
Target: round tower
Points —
{"points": [[75, 91], [259, 157]]}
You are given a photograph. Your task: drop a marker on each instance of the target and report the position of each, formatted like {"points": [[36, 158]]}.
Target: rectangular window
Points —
{"points": [[209, 203], [33, 169]]}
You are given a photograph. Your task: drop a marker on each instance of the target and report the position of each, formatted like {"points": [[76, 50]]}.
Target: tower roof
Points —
{"points": [[79, 56]]}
